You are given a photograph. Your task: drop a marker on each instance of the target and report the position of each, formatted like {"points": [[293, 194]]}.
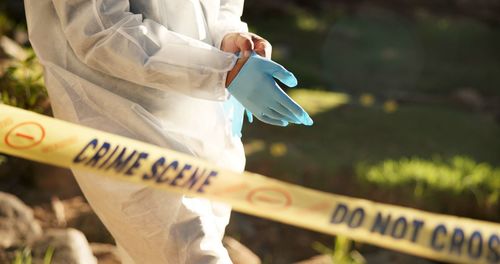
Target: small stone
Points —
{"points": [[18, 227], [69, 247]]}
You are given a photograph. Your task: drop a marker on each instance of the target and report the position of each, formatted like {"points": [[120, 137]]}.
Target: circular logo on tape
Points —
{"points": [[271, 198], [25, 135]]}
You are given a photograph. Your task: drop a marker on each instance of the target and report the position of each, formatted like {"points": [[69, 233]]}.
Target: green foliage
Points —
{"points": [[24, 256], [457, 175], [47, 259], [21, 85], [341, 252]]}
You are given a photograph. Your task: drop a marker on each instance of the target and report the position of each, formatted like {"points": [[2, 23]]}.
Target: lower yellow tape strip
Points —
{"points": [[445, 238]]}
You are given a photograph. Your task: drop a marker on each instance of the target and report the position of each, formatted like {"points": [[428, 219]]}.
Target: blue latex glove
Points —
{"points": [[256, 89], [235, 110]]}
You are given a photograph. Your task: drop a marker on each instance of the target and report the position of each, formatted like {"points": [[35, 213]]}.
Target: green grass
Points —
{"points": [[345, 135], [349, 133], [341, 252], [457, 176], [24, 256]]}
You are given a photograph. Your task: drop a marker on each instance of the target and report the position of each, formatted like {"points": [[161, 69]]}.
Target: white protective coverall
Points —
{"points": [[150, 70]]}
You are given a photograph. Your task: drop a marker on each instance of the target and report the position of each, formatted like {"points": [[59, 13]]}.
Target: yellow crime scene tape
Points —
{"points": [[445, 238]]}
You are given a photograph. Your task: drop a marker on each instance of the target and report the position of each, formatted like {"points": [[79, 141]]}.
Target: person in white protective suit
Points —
{"points": [[153, 70]]}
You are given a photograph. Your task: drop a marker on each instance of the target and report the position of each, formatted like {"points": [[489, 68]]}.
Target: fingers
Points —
{"points": [[285, 112], [238, 42], [262, 46], [245, 44], [297, 111], [272, 121], [286, 77], [228, 43], [282, 115], [279, 72], [249, 116]]}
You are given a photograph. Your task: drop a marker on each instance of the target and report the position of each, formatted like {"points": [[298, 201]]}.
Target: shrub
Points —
{"points": [[456, 176], [21, 85]]}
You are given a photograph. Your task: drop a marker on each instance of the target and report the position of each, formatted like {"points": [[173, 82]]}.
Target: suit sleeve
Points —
{"points": [[228, 20], [107, 37]]}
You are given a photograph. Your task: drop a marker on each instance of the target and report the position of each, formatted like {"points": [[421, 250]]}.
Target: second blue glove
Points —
{"points": [[256, 89]]}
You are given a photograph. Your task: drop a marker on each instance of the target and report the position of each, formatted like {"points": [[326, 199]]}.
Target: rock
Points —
{"points": [[18, 227], [105, 253], [59, 211], [238, 253], [75, 213], [70, 247]]}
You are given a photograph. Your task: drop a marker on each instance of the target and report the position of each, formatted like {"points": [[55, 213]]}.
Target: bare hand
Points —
{"points": [[244, 43]]}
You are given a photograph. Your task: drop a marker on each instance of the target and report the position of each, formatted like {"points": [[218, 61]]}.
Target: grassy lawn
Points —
{"points": [[346, 135], [390, 55]]}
